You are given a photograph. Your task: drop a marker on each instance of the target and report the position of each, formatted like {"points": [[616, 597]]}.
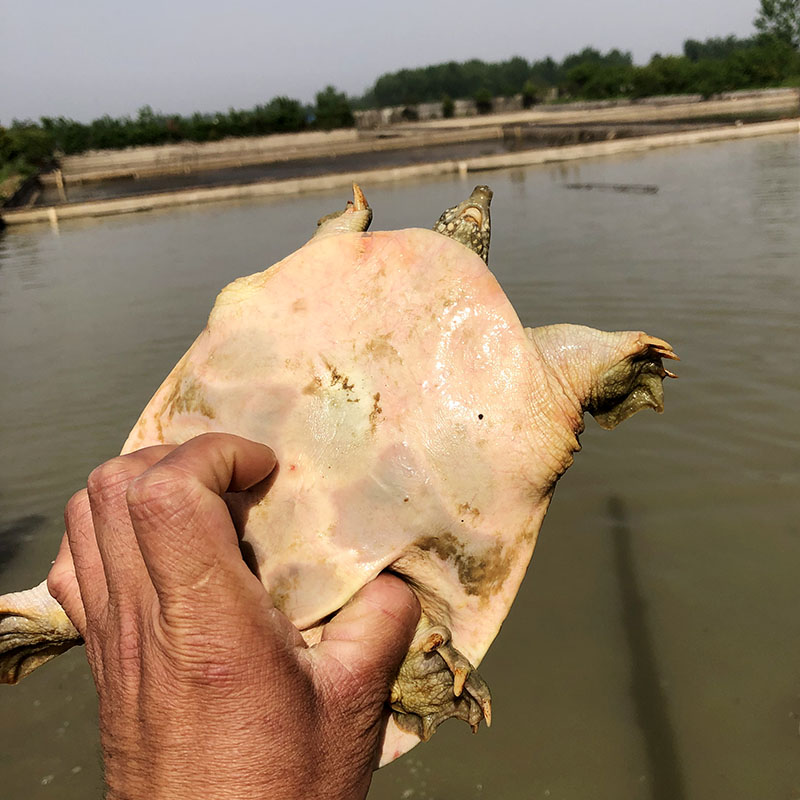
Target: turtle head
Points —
{"points": [[469, 222], [356, 217]]}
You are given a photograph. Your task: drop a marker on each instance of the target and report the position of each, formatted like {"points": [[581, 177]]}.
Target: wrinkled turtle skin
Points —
{"points": [[419, 429]]}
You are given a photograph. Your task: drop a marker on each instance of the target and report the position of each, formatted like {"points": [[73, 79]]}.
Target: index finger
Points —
{"points": [[182, 524]]}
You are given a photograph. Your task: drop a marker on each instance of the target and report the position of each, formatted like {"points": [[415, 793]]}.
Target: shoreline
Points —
{"points": [[185, 158], [548, 155]]}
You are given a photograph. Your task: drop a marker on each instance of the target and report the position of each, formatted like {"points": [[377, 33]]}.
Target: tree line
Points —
{"points": [[705, 68], [27, 146], [769, 58], [280, 115]]}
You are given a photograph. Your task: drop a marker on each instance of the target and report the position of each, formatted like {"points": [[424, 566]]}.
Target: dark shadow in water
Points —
{"points": [[14, 534], [666, 776]]}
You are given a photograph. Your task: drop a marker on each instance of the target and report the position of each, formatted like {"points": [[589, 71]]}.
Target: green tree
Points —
{"points": [[716, 48], [483, 101], [333, 110], [781, 19], [530, 94], [24, 148], [6, 146], [448, 107], [546, 72], [598, 80], [28, 143], [284, 115], [512, 75]]}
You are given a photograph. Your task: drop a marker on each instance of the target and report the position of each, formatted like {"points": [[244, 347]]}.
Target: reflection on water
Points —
{"points": [[650, 702], [15, 535], [656, 658]]}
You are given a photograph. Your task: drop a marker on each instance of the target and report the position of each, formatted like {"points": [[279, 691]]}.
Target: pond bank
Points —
{"points": [[546, 155], [192, 157]]}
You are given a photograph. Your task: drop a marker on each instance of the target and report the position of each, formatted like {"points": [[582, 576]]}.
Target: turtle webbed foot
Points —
{"points": [[436, 682], [632, 383]]}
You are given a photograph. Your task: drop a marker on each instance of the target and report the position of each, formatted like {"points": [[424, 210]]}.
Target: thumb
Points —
{"points": [[371, 635]]}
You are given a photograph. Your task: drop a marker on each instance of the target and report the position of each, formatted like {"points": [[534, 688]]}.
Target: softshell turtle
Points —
{"points": [[419, 429]]}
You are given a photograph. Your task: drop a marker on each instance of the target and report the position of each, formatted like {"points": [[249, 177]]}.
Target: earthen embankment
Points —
{"points": [[326, 182], [117, 182], [189, 157]]}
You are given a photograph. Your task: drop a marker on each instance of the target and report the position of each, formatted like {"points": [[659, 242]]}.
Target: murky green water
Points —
{"points": [[654, 650]]}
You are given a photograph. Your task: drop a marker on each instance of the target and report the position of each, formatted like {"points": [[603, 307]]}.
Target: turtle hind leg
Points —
{"points": [[436, 682], [33, 629]]}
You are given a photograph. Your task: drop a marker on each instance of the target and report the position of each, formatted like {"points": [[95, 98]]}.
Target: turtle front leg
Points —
{"points": [[610, 375], [33, 629], [436, 682]]}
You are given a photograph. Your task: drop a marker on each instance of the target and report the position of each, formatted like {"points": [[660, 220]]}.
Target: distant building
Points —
{"points": [[393, 115]]}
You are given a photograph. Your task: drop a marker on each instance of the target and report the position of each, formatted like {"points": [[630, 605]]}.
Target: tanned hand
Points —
{"points": [[205, 688]]}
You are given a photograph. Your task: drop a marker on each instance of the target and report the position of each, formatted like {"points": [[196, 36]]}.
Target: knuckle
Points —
{"points": [[109, 477], [162, 491], [77, 508]]}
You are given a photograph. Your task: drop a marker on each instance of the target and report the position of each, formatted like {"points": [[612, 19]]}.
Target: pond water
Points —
{"points": [[654, 649]]}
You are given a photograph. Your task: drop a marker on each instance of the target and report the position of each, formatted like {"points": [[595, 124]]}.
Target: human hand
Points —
{"points": [[205, 689]]}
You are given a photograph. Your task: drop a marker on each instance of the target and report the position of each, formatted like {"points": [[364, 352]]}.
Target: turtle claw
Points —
{"points": [[359, 201], [656, 348], [437, 682], [458, 665], [356, 217]]}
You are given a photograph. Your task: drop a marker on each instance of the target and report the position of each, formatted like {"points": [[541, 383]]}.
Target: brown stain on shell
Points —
{"points": [[159, 429], [380, 347], [314, 386], [480, 575], [187, 396], [374, 415], [284, 588], [338, 378], [465, 509]]}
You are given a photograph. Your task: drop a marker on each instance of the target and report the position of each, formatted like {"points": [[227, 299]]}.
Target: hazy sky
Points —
{"points": [[86, 58]]}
